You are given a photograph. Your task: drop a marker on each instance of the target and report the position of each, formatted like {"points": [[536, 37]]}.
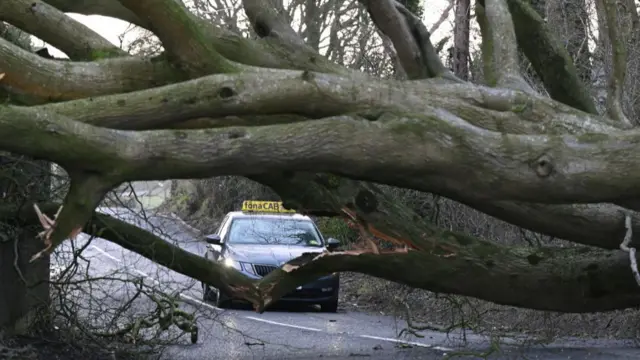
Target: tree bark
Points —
{"points": [[24, 299], [461, 39]]}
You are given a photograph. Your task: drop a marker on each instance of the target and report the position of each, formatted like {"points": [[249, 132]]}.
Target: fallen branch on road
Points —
{"points": [[557, 279]]}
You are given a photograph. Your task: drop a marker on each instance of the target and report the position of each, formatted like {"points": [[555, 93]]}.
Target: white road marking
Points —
{"points": [[106, 254], [405, 342], [194, 301], [282, 324], [142, 273]]}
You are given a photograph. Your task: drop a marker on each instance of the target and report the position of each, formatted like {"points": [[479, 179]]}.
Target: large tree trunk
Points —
{"points": [[24, 299]]}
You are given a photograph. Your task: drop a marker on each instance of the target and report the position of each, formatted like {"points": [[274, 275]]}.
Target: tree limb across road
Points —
{"points": [[581, 280], [277, 112]]}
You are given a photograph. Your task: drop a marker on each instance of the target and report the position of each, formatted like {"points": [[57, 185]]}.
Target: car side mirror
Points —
{"points": [[213, 239], [332, 243]]}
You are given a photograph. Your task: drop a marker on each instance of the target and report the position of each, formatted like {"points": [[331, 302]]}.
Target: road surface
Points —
{"points": [[302, 333]]}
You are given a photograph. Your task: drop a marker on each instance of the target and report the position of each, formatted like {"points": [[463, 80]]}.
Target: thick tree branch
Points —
{"points": [[499, 47], [422, 149], [267, 22], [181, 36], [85, 193], [580, 280], [271, 93], [429, 54], [56, 28], [111, 8], [391, 22], [549, 57], [566, 280], [489, 108], [151, 247], [619, 63], [288, 92], [232, 46], [42, 80], [595, 225]]}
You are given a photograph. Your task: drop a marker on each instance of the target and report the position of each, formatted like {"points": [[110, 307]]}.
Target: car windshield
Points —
{"points": [[274, 231]]}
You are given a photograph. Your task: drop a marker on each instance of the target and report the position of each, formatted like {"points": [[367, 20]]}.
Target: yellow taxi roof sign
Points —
{"points": [[265, 206]]}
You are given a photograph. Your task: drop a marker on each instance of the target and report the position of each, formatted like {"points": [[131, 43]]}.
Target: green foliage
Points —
{"points": [[104, 53], [337, 228], [415, 6]]}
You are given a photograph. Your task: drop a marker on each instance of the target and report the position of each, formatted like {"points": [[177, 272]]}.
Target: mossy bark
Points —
{"points": [[549, 58]]}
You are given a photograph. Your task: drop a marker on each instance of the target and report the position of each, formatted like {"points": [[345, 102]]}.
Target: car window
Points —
{"points": [[273, 231], [224, 221]]}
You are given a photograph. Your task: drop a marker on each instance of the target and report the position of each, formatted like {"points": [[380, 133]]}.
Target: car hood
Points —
{"points": [[268, 254]]}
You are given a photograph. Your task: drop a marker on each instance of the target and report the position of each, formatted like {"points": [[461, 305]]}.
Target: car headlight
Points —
{"points": [[232, 263], [240, 266]]}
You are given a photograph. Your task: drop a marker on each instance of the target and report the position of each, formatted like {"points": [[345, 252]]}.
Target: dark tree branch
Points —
{"points": [[42, 80], [267, 22], [548, 57], [420, 148], [232, 46], [111, 8], [391, 22], [181, 36], [555, 279], [499, 47], [422, 37], [591, 224]]}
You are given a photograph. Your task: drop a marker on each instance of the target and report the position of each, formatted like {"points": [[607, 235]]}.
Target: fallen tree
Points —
{"points": [[322, 135]]}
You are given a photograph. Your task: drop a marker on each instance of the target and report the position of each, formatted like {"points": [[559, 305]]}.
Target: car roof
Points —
{"points": [[241, 214]]}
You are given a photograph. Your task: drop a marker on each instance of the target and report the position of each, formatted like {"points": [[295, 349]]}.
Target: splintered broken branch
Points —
{"points": [[85, 193]]}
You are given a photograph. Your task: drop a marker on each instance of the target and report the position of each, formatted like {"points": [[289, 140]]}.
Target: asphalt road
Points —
{"points": [[300, 333]]}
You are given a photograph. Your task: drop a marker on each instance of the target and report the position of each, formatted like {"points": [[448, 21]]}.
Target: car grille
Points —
{"points": [[305, 294], [263, 270]]}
